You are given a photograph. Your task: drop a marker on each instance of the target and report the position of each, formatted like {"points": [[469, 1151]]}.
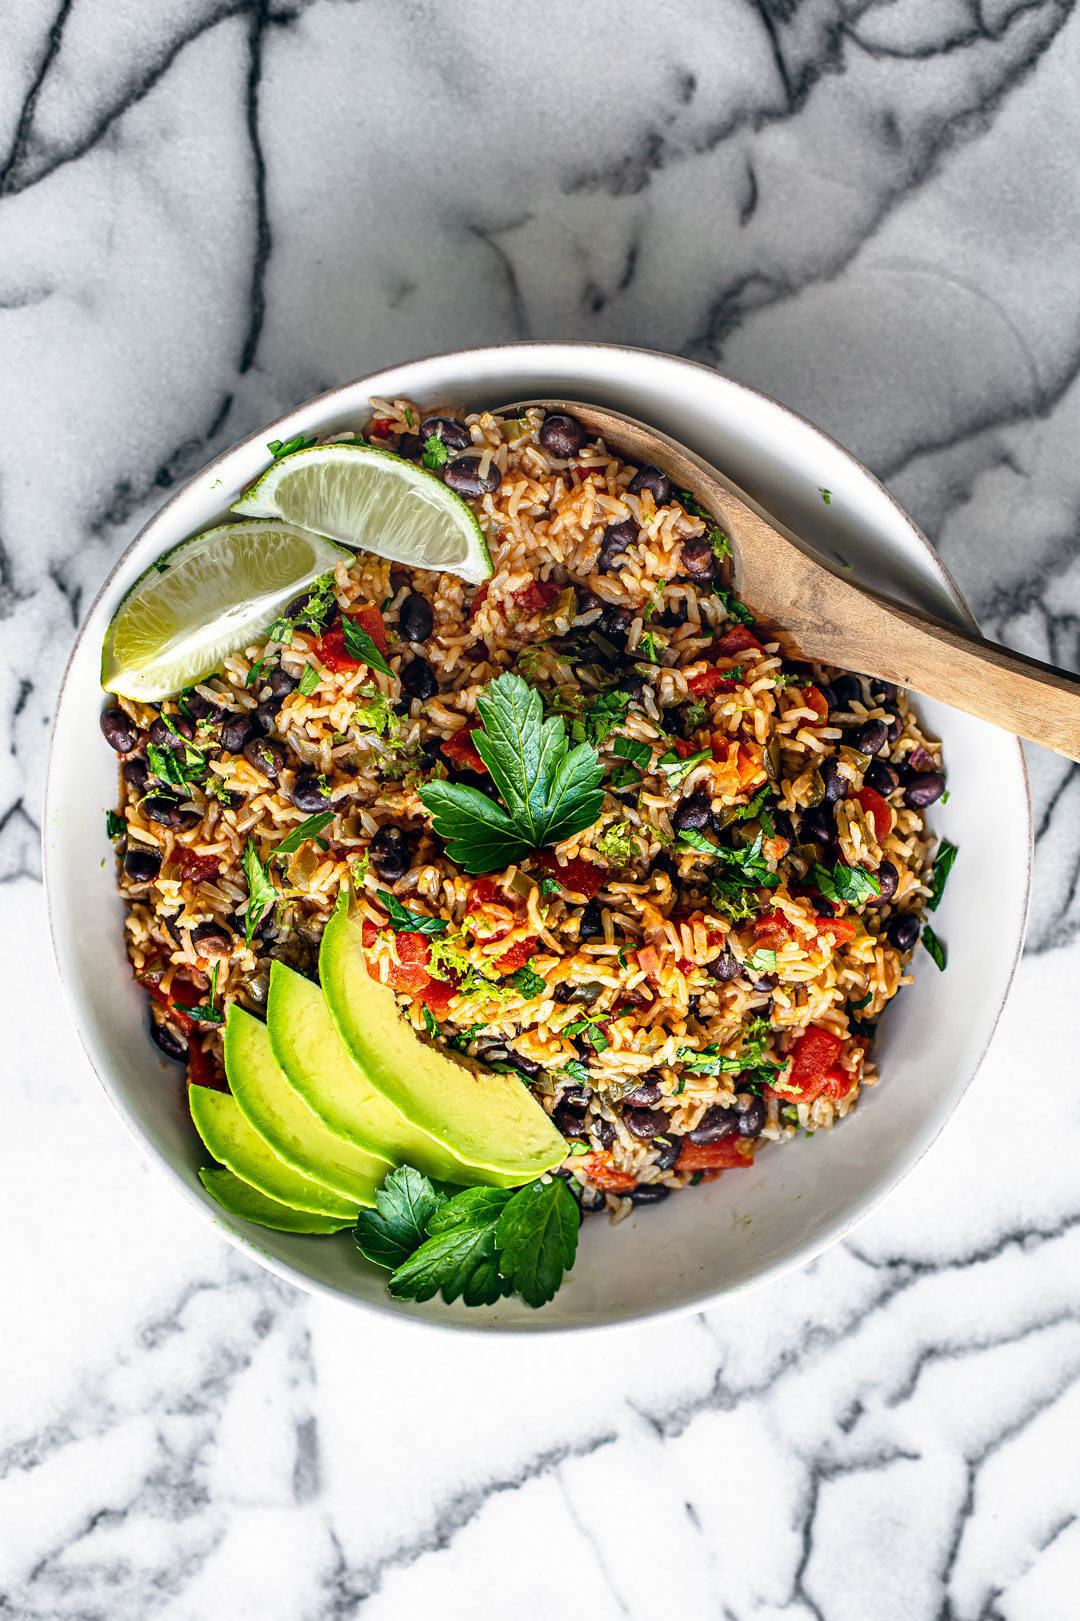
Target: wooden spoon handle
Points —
{"points": [[817, 613]]}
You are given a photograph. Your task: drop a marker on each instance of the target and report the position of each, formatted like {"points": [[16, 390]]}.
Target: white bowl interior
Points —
{"points": [[749, 1226]]}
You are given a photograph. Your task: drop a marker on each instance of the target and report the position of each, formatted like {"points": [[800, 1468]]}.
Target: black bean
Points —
{"points": [[675, 614], [310, 794], [664, 863], [576, 1096], [783, 826], [650, 1192], [311, 610], [591, 925], [888, 878], [871, 738], [136, 772], [563, 992], [589, 1198], [528, 1066], [266, 714], [692, 814], [668, 1147], [646, 1123], [235, 732], [887, 694], [824, 908], [644, 1094], [923, 789], [604, 1131], [835, 784], [389, 851], [847, 689], [816, 826], [200, 708], [767, 982], [633, 683], [751, 1118], [827, 692], [175, 734], [267, 757], [896, 726], [281, 684], [884, 779], [651, 478], [120, 732], [476, 652], [172, 1046], [160, 808], [416, 618], [903, 931], [616, 538], [418, 679], [716, 1123], [615, 625], [142, 864], [411, 446], [698, 560], [571, 1122], [723, 967], [463, 477], [449, 430], [562, 435], [211, 940]]}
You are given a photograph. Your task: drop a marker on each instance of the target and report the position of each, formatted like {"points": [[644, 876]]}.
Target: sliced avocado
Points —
{"points": [[239, 1198], [231, 1140], [284, 1121], [489, 1120], [311, 1054]]}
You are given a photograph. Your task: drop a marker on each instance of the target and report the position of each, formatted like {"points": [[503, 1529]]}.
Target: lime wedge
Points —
{"points": [[374, 499], [208, 597]]}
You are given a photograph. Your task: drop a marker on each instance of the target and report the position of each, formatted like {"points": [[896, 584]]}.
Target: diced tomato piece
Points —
{"points": [[484, 893], [648, 961], [330, 649], [409, 973], [772, 930], [838, 1083], [877, 810], [204, 1070], [517, 956], [534, 596], [382, 426], [729, 1154], [842, 929], [813, 1056], [461, 750], [737, 640], [815, 700], [194, 867], [599, 1169], [579, 876], [710, 681], [738, 768], [683, 747], [183, 1021], [438, 994], [477, 602]]}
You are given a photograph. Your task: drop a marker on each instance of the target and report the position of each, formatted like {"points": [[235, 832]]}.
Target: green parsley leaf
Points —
{"points": [[309, 680], [376, 714], [732, 899], [753, 809], [529, 982], [852, 884], [677, 770], [360, 645], [285, 447], [161, 566], [647, 647], [733, 607], [590, 1028], [943, 863], [202, 1015], [431, 1024], [576, 1072], [307, 830], [698, 842], [627, 776], [254, 675], [606, 711], [862, 1002], [115, 826], [402, 921], [748, 863], [548, 886], [397, 1226], [462, 1235], [536, 1237], [549, 789], [826, 496], [261, 892], [165, 766], [934, 946], [762, 961], [436, 454]]}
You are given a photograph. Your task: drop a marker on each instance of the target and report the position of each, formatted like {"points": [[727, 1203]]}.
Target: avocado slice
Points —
{"points": [[311, 1054], [239, 1198], [489, 1120], [231, 1140], [284, 1121]]}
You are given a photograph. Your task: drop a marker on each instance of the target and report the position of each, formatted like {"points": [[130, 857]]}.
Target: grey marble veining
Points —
{"points": [[209, 211]]}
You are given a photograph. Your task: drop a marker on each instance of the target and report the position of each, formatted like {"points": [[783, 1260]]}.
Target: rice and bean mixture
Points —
{"points": [[695, 976]]}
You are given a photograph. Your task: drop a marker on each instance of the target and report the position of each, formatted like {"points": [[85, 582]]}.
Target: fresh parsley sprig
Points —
{"points": [[478, 1245], [549, 789], [402, 921], [360, 645], [529, 982], [262, 894]]}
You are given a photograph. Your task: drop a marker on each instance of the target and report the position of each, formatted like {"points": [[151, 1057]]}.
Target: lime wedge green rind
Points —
{"points": [[210, 596], [370, 498], [230, 1139], [238, 1198], [283, 1120]]}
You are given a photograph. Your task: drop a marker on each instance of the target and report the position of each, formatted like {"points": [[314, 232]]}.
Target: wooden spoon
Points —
{"points": [[819, 614]]}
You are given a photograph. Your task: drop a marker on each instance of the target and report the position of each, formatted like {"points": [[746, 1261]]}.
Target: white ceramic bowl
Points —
{"points": [[747, 1227]]}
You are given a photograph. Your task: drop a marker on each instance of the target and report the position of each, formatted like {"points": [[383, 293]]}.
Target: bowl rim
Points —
{"points": [[709, 1297]]}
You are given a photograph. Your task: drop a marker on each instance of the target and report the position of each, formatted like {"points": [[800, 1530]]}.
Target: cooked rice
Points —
{"points": [[544, 525]]}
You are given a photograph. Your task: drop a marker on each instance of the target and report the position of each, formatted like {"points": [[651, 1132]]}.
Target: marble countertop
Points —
{"points": [[212, 209]]}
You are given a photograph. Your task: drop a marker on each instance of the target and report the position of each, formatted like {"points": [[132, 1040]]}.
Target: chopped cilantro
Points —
{"points": [[698, 842], [360, 645], [285, 447], [676, 770], [115, 826], [934, 946], [435, 454], [309, 680], [762, 961], [733, 607], [852, 884], [402, 921], [261, 891], [943, 863], [529, 982], [306, 830]]}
